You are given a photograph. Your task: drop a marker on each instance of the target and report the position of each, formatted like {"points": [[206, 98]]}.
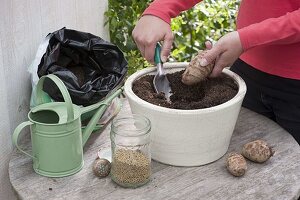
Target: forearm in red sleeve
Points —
{"points": [[281, 30], [167, 9]]}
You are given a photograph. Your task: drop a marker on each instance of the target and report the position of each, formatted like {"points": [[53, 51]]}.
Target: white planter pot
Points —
{"points": [[187, 137]]}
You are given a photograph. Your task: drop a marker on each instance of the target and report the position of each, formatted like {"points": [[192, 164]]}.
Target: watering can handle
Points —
{"points": [[62, 88], [16, 136]]}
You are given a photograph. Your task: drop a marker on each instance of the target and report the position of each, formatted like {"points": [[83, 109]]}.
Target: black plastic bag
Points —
{"points": [[89, 66]]}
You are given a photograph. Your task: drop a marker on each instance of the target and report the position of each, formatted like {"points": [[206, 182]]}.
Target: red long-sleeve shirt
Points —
{"points": [[269, 31]]}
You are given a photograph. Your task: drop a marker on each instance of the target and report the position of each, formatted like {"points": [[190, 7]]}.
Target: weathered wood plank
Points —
{"points": [[278, 178]]}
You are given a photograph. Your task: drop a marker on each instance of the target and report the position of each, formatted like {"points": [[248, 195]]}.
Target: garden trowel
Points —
{"points": [[160, 81]]}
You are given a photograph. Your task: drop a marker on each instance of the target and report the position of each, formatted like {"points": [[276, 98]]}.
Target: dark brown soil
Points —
{"points": [[211, 92]]}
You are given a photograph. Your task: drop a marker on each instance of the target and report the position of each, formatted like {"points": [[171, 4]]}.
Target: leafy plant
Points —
{"points": [[121, 18], [208, 20]]}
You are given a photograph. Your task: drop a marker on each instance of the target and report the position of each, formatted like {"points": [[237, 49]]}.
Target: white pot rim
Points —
{"points": [[131, 95]]}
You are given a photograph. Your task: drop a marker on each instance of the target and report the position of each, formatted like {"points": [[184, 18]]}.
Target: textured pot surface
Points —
{"points": [[187, 137]]}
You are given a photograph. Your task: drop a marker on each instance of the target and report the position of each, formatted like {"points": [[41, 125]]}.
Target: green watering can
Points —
{"points": [[56, 132]]}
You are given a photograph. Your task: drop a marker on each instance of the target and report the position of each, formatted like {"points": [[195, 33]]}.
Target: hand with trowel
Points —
{"points": [[209, 62]]}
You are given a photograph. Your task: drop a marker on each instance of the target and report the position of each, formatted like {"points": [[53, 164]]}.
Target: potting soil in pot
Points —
{"points": [[211, 92]]}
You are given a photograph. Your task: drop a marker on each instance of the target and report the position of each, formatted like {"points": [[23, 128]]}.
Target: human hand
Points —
{"points": [[226, 51], [148, 31]]}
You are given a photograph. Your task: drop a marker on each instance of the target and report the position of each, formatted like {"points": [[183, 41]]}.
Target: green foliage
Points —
{"points": [[208, 20], [121, 18]]}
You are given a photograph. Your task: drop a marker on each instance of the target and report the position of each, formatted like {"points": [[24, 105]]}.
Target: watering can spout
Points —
{"points": [[94, 120]]}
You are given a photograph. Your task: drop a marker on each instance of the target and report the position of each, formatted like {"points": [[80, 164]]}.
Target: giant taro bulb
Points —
{"points": [[196, 73]]}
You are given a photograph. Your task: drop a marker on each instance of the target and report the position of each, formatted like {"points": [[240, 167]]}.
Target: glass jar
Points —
{"points": [[131, 156]]}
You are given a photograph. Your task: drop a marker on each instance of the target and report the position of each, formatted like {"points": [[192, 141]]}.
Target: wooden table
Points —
{"points": [[278, 178]]}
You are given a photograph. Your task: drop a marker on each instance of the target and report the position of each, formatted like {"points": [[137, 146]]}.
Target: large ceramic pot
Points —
{"points": [[187, 137]]}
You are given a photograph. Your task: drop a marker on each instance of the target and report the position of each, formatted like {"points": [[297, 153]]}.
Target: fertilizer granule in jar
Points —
{"points": [[130, 168]]}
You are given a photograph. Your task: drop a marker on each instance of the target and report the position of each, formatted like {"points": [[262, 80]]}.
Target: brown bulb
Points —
{"points": [[101, 167]]}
